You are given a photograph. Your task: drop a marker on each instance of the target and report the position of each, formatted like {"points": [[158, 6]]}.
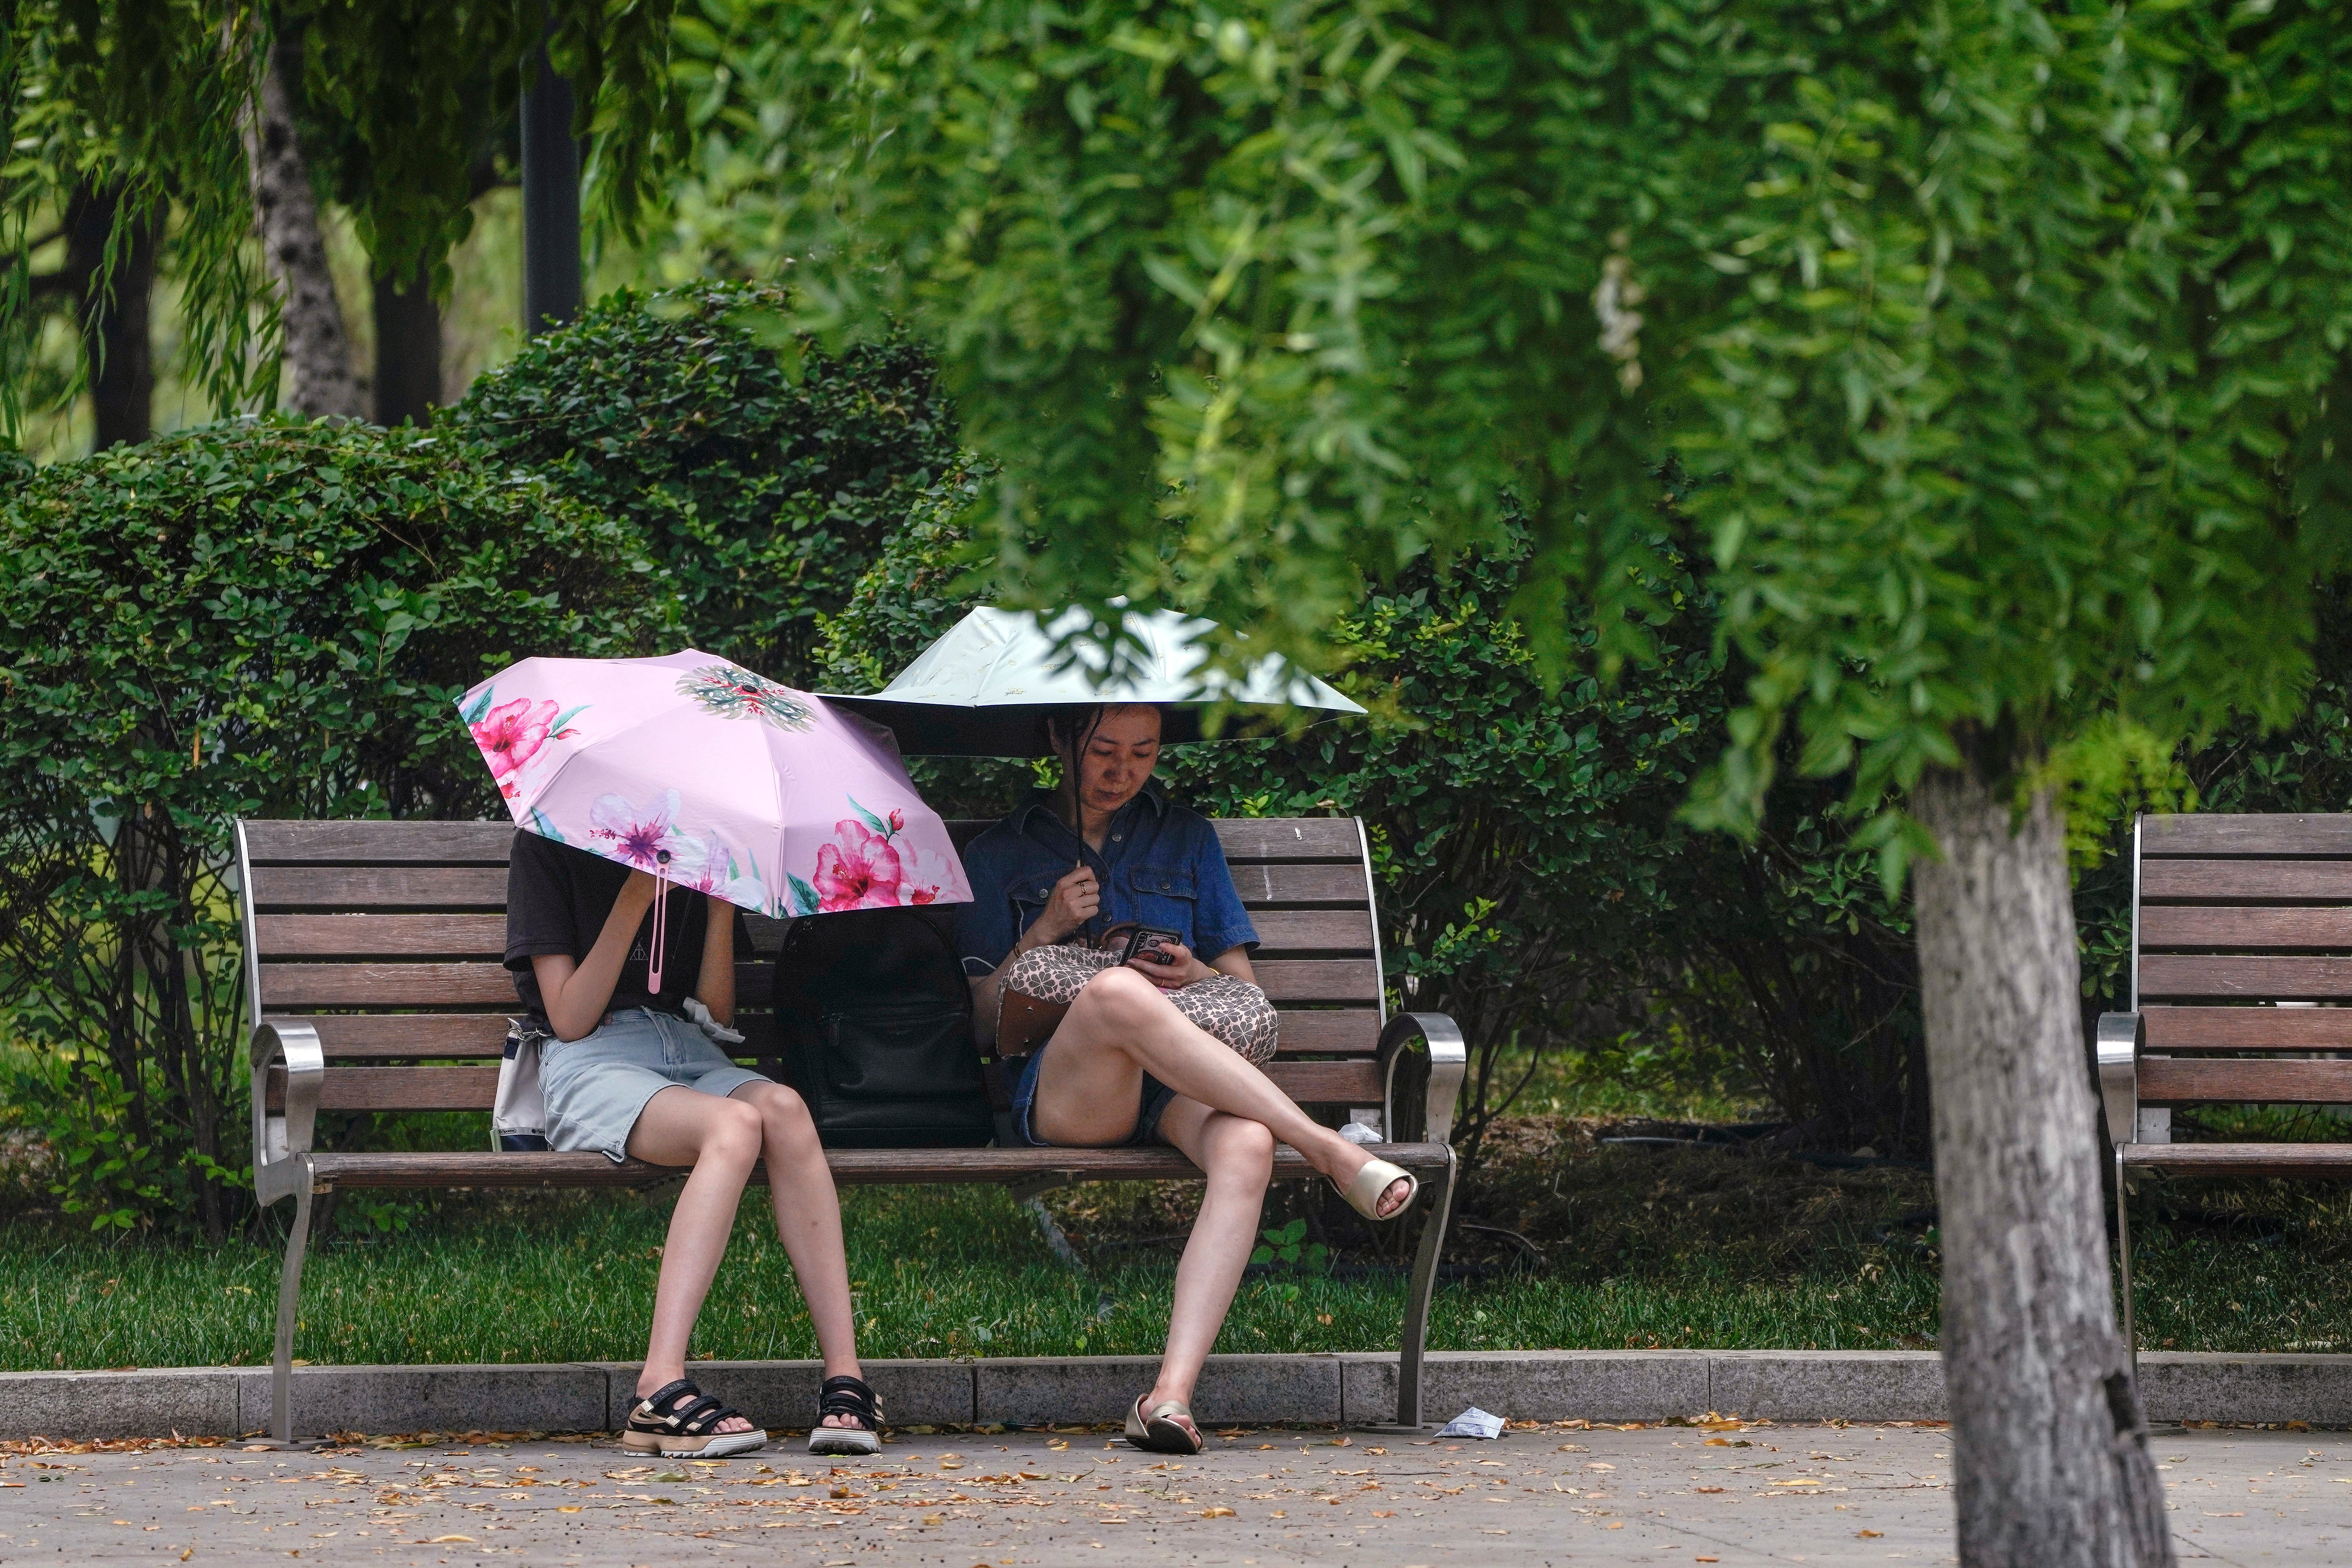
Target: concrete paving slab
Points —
{"points": [[1534, 1385], [191, 1400], [1846, 1496], [1823, 1386]]}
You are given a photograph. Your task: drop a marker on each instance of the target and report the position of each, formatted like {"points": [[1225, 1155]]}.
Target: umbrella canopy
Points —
{"points": [[986, 688], [716, 778]]}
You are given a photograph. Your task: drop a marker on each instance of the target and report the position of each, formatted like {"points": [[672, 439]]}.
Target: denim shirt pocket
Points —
{"points": [[1029, 896], [1165, 896]]}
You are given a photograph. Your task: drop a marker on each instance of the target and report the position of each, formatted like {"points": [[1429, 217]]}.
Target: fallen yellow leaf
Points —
{"points": [[568, 1508], [1867, 1534], [443, 1539], [1216, 1513], [1799, 1481], [1616, 1524]]}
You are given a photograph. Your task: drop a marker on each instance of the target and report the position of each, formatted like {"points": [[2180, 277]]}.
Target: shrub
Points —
{"points": [[249, 619], [765, 483]]}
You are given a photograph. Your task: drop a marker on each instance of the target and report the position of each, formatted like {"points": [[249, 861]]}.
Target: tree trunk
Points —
{"points": [[2049, 1454], [112, 312], [319, 379], [550, 201], [407, 349]]}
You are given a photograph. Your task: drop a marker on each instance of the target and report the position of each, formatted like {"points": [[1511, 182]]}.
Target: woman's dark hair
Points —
{"points": [[1067, 732]]}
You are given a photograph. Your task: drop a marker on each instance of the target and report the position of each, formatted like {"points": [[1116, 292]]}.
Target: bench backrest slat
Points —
{"points": [[387, 937]]}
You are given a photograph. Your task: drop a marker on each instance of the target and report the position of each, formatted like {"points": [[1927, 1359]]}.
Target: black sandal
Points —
{"points": [[847, 1397], [681, 1421]]}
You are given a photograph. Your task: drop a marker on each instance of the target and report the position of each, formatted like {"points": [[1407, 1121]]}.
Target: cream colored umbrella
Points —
{"points": [[986, 689]]}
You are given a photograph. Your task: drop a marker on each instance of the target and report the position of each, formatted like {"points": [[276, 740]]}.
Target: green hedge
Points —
{"points": [[248, 619], [765, 483]]}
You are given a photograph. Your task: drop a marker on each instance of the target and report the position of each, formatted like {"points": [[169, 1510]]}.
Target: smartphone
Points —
{"points": [[1147, 941]]}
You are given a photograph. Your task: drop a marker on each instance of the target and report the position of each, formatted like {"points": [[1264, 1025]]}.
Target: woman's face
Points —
{"points": [[1118, 758]]}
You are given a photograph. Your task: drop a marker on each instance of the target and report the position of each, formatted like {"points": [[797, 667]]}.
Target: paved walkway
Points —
{"points": [[1665, 1495]]}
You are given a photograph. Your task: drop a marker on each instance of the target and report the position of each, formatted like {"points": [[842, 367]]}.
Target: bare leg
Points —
{"points": [[721, 1139], [1238, 1157], [808, 1221], [1121, 1027]]}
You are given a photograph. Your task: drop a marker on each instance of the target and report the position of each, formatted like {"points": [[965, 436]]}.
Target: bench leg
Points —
{"points": [[2123, 1251], [1437, 1206], [290, 1296]]}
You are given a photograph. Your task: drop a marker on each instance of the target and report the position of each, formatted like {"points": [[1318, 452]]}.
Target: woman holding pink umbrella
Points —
{"points": [[629, 1074], [652, 794]]}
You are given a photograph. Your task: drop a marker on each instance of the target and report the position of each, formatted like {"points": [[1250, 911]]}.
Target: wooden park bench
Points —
{"points": [[373, 964], [2240, 966]]}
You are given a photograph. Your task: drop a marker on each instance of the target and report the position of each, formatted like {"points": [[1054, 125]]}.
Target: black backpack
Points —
{"points": [[875, 1017]]}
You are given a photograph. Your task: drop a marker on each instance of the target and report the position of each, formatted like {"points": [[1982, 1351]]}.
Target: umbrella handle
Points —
{"points": [[661, 925]]}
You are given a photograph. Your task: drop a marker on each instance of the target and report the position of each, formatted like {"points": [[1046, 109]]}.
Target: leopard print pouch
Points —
{"points": [[1042, 983]]}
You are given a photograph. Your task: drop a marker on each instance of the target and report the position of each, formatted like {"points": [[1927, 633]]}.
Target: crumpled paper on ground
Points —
{"points": [[1473, 1422]]}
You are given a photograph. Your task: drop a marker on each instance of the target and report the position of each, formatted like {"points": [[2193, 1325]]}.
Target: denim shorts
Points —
{"points": [[596, 1086], [1156, 1096]]}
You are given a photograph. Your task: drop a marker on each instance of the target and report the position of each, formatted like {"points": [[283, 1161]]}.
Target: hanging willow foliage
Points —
{"points": [[145, 97]]}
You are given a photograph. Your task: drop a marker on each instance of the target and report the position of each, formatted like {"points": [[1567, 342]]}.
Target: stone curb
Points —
{"points": [[1358, 1389]]}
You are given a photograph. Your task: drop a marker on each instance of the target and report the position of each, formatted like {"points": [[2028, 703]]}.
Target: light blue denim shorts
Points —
{"points": [[596, 1086]]}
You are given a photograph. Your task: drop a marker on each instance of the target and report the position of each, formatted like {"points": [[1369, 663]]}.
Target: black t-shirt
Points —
{"points": [[557, 898]]}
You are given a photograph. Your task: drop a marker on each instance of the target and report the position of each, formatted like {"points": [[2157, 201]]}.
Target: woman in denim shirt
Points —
{"points": [[1125, 1067]]}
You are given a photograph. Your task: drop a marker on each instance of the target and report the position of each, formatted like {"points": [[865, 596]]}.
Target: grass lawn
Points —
{"points": [[1615, 1247]]}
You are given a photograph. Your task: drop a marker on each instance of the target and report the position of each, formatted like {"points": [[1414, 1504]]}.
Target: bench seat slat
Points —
{"points": [[2247, 1029], [851, 1167], [2257, 1080], [2242, 1159], [476, 1087]]}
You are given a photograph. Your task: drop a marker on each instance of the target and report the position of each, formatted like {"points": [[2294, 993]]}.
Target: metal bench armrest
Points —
{"points": [[279, 1140], [2118, 1041], [1448, 1061]]}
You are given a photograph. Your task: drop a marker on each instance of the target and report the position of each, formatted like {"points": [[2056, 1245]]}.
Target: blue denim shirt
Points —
{"points": [[1160, 865]]}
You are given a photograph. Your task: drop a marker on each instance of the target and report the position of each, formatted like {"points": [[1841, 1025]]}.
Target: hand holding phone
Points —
{"points": [[1161, 956]]}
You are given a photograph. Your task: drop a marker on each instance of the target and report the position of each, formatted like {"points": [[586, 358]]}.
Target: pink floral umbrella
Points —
{"points": [[713, 777]]}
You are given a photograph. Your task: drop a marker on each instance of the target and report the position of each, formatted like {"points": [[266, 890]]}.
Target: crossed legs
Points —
{"points": [[1226, 1117], [722, 1140]]}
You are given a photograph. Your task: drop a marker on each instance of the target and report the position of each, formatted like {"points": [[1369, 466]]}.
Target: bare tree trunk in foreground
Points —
{"points": [[2049, 1450], [319, 379]]}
